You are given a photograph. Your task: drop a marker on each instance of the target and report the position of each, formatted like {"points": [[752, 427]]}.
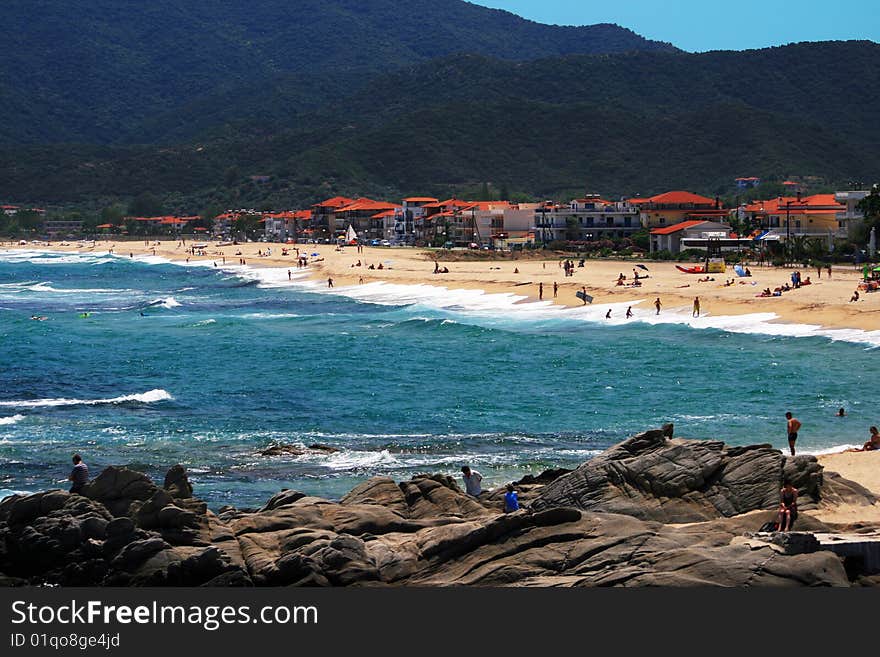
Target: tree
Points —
{"points": [[112, 214], [870, 207], [145, 205], [572, 229], [232, 176]]}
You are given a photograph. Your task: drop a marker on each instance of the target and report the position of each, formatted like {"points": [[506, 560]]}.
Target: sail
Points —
{"points": [[351, 235]]}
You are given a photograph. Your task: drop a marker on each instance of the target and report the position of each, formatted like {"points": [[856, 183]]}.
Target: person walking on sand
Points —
{"points": [[472, 480], [629, 312], [540, 291], [555, 289], [329, 282], [79, 475], [696, 312], [584, 292], [793, 425], [289, 275], [657, 304], [828, 270]]}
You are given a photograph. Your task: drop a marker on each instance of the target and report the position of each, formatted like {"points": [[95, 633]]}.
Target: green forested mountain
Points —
{"points": [[112, 99], [110, 71], [620, 124]]}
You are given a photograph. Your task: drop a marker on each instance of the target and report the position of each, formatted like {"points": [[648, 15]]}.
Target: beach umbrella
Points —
{"points": [[642, 267]]}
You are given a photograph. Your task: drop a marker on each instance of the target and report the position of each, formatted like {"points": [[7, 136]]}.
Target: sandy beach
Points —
{"points": [[825, 303], [861, 467]]}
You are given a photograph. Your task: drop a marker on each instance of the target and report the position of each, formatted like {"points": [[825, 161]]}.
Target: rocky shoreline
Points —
{"points": [[651, 511]]}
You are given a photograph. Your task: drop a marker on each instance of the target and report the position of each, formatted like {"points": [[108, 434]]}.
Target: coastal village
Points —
{"points": [[674, 220]]}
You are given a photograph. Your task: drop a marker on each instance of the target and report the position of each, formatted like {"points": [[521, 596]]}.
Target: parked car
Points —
{"points": [[386, 243], [374, 242]]}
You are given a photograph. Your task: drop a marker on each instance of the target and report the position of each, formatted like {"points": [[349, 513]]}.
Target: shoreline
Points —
{"points": [[822, 305]]}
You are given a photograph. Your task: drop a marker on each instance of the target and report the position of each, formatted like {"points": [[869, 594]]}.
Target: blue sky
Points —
{"points": [[700, 25]]}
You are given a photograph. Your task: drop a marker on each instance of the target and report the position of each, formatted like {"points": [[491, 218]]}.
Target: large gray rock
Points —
{"points": [[672, 480], [116, 488], [177, 483], [604, 524]]}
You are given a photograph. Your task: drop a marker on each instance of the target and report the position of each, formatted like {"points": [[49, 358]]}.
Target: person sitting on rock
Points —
{"points": [[787, 507], [511, 500], [79, 475], [472, 480]]}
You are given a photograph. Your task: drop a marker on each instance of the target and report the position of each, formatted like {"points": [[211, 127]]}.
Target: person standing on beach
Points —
{"points": [[329, 282], [289, 275], [555, 289], [657, 304], [696, 312], [79, 475], [472, 480], [828, 270], [584, 297], [540, 291], [792, 426]]}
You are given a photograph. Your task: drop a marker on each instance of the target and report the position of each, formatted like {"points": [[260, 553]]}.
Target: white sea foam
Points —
{"points": [[361, 459], [836, 449], [270, 315], [4, 421], [167, 302], [509, 306], [503, 306], [6, 492], [47, 287], [148, 397]]}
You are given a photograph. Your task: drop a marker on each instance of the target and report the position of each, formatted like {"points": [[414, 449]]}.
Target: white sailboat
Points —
{"points": [[351, 235]]}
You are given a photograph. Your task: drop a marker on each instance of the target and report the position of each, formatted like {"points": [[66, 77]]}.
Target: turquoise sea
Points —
{"points": [[207, 366]]}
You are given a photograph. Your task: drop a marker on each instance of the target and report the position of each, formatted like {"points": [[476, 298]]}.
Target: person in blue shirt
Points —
{"points": [[511, 501]]}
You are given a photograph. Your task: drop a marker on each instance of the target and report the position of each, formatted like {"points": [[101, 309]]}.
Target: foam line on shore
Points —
{"points": [[149, 397], [6, 421], [478, 302]]}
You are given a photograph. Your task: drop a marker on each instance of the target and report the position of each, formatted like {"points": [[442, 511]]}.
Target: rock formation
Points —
{"points": [[605, 523]]}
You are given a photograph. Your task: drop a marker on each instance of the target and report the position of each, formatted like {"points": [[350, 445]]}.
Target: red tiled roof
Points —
{"points": [[815, 204], [450, 201], [382, 215], [592, 200], [104, 226], [679, 198], [666, 230], [367, 205], [335, 202], [420, 199]]}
